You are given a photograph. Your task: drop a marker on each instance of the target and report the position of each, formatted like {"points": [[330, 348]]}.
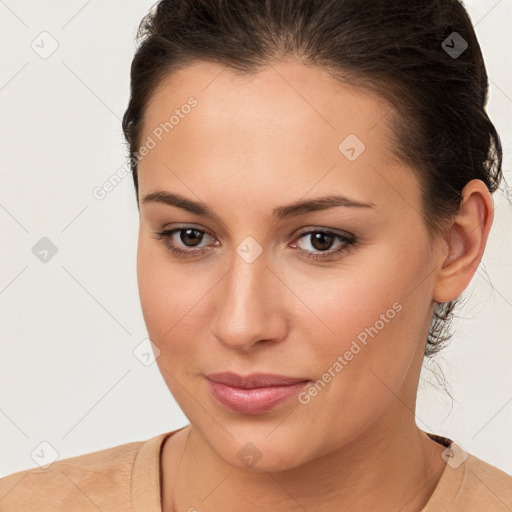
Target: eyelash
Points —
{"points": [[348, 241]]}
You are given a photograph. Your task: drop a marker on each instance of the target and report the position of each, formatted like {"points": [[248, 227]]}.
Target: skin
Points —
{"points": [[250, 145]]}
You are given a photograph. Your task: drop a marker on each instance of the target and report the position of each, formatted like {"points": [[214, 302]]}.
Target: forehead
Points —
{"points": [[280, 131], [286, 94]]}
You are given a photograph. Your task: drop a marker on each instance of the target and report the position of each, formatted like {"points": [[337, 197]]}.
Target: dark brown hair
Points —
{"points": [[403, 51]]}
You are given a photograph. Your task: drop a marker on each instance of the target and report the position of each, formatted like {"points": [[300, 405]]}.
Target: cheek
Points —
{"points": [[367, 321], [352, 301], [151, 289], [165, 300], [172, 298], [160, 291], [376, 313]]}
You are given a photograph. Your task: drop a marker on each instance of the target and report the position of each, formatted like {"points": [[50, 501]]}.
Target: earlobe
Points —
{"points": [[465, 242]]}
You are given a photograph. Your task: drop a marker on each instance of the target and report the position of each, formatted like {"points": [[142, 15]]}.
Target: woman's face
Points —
{"points": [[255, 300]]}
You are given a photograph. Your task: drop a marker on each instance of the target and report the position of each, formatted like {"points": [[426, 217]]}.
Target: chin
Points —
{"points": [[261, 454]]}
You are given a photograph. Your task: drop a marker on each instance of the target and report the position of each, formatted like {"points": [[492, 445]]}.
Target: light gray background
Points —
{"points": [[68, 374]]}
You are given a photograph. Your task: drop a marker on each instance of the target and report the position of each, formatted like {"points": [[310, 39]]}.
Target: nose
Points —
{"points": [[251, 306]]}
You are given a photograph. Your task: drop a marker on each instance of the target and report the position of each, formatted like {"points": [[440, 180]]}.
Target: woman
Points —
{"points": [[314, 184]]}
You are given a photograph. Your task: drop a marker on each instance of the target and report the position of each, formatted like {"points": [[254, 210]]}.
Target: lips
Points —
{"points": [[255, 380], [253, 394]]}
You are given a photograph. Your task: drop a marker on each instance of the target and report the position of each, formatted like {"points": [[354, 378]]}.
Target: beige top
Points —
{"points": [[127, 478]]}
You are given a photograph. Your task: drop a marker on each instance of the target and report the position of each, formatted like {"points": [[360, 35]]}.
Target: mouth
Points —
{"points": [[253, 394]]}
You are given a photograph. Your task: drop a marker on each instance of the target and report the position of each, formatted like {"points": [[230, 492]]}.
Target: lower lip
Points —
{"points": [[256, 400]]}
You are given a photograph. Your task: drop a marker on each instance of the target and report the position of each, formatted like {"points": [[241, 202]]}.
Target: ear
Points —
{"points": [[465, 242]]}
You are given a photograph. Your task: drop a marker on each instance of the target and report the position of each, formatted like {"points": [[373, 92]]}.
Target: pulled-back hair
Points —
{"points": [[396, 49]]}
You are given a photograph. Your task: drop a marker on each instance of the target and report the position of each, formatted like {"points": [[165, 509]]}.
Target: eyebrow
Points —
{"points": [[296, 209]]}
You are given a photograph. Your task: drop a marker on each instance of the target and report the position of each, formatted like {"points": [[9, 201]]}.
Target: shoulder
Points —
{"points": [[485, 487], [100, 480], [470, 484]]}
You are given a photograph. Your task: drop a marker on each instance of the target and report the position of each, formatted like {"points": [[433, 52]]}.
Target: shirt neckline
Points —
{"points": [[145, 477], [146, 474], [452, 476]]}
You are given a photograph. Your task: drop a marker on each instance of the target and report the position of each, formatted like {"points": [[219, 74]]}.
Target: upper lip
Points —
{"points": [[255, 380]]}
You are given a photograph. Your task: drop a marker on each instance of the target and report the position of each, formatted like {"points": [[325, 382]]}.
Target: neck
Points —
{"points": [[392, 463]]}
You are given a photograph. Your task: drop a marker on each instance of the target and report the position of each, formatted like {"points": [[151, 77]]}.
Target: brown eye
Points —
{"points": [[322, 241], [192, 236], [183, 245]]}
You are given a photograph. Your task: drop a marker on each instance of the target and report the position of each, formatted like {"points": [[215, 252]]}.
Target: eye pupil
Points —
{"points": [[322, 237], [190, 235]]}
